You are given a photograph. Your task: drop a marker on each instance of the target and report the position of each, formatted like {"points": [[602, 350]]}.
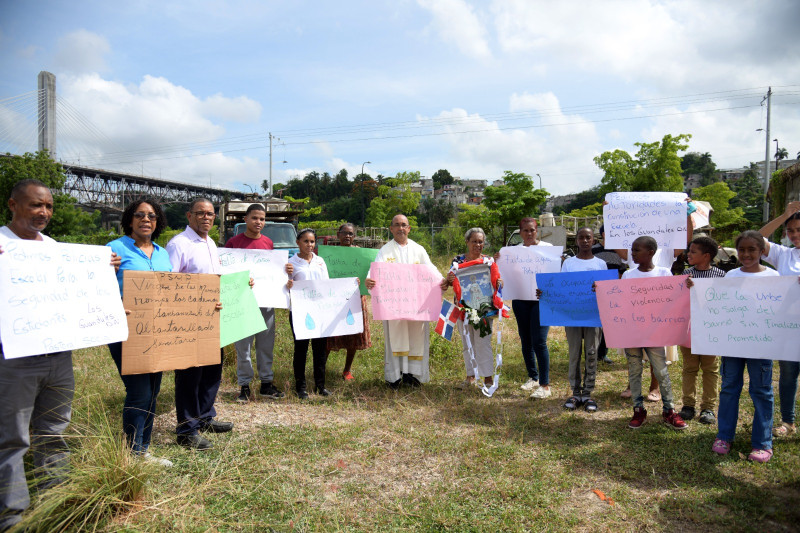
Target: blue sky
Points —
{"points": [[189, 90]]}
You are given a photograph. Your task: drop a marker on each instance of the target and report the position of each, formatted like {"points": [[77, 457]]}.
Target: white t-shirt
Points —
{"points": [[6, 235], [635, 273], [303, 270], [574, 264], [737, 273], [786, 260]]}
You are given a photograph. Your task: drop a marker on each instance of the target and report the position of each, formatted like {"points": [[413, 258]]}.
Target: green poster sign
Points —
{"points": [[240, 316], [348, 262]]}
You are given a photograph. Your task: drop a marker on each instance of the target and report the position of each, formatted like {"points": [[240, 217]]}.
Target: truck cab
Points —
{"points": [[282, 234]]}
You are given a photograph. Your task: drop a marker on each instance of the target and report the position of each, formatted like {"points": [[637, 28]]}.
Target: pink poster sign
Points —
{"points": [[644, 312], [405, 292]]}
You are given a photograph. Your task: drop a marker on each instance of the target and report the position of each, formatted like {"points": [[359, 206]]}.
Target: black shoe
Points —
{"points": [[302, 394], [244, 394], [194, 442], [270, 391], [394, 385], [572, 403], [215, 426], [323, 391], [687, 413], [411, 381], [706, 417], [607, 360]]}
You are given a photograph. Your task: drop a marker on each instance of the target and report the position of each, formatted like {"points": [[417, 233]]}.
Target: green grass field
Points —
{"points": [[429, 459]]}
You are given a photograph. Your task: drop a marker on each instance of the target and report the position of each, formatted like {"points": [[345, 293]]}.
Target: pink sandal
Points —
{"points": [[760, 456], [721, 447]]}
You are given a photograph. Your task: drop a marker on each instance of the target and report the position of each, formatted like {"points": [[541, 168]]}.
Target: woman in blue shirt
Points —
{"points": [[142, 222]]}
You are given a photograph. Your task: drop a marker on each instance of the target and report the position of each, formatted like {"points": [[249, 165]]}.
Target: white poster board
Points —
{"points": [[267, 268], [747, 317], [629, 215], [519, 265], [326, 308], [57, 297]]}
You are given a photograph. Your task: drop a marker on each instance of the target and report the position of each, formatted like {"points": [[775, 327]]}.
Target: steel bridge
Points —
{"points": [[111, 191]]}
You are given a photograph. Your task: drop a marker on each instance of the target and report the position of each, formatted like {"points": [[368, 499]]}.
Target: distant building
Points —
{"points": [[558, 201], [690, 182]]}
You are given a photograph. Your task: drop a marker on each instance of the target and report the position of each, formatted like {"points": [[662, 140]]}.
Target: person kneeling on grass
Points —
{"points": [[749, 248], [642, 252], [701, 251]]}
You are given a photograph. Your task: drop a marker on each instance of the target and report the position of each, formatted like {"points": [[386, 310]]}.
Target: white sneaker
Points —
{"points": [[148, 457], [541, 393], [530, 384]]}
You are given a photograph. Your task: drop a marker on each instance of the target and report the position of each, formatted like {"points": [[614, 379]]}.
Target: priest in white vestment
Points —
{"points": [[407, 341]]}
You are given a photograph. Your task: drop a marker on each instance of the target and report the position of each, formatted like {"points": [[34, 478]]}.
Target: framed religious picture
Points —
{"points": [[476, 285]]}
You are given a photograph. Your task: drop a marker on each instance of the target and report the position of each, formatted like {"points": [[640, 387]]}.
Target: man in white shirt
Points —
{"points": [[193, 252], [407, 342], [35, 392]]}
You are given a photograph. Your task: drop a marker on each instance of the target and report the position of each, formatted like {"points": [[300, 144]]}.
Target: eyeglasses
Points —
{"points": [[140, 215], [404, 226], [204, 214]]}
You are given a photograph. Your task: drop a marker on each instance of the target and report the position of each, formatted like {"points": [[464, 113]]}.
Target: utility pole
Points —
{"points": [[765, 216], [269, 193]]}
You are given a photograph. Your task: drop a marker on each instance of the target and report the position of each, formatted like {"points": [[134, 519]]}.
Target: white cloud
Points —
{"points": [[456, 23], [560, 153], [81, 52], [155, 127]]}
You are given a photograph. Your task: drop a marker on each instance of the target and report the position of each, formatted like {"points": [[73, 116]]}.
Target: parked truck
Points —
{"points": [[281, 225]]}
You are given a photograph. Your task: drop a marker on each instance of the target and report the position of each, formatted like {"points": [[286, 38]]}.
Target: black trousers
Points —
{"points": [[195, 392], [320, 359]]}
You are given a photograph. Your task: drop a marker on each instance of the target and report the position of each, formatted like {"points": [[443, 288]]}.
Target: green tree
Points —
{"points": [[394, 196], [749, 195], [587, 211], [516, 199], [436, 212], [68, 219], [719, 195], [656, 167], [441, 178], [702, 164]]}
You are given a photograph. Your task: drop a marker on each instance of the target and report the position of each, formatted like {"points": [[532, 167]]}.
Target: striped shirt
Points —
{"points": [[712, 272]]}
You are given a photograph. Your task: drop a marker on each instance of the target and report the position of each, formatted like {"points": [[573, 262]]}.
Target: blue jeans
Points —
{"points": [[787, 389], [139, 410], [760, 372], [533, 337]]}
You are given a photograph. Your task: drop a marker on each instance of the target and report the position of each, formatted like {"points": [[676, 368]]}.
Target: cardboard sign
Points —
{"points": [[747, 317], [240, 316], [266, 267], [326, 308], [519, 265], [644, 312], [174, 323], [568, 300], [405, 292], [348, 262], [57, 297], [661, 215]]}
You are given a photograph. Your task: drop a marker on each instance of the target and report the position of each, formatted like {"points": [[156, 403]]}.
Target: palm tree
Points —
{"points": [[780, 153]]}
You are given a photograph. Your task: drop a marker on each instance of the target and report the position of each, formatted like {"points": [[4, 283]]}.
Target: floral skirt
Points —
{"points": [[357, 341]]}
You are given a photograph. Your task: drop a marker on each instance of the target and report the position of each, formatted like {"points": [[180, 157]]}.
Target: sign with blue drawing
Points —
{"points": [[326, 308], [568, 300]]}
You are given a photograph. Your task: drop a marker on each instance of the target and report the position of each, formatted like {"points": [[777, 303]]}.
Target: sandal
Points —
{"points": [[654, 395], [722, 447], [590, 406], [784, 430], [760, 456], [572, 403]]}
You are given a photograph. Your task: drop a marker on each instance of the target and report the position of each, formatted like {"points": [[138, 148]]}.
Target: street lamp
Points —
{"points": [[363, 204], [540, 180], [777, 149]]}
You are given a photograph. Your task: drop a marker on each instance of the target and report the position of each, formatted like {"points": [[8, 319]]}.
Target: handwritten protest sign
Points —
{"points": [[240, 316], [519, 265], [661, 215], [644, 312], [326, 308], [348, 262], [266, 267], [57, 297], [173, 321], [568, 300], [747, 317], [405, 292]]}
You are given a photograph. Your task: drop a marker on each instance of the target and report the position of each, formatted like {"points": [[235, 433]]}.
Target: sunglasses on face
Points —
{"points": [[140, 215]]}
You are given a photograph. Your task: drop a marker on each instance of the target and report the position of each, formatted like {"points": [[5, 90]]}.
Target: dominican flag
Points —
{"points": [[448, 317]]}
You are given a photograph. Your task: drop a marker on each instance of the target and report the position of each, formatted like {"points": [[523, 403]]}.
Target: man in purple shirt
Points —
{"points": [[193, 252]]}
